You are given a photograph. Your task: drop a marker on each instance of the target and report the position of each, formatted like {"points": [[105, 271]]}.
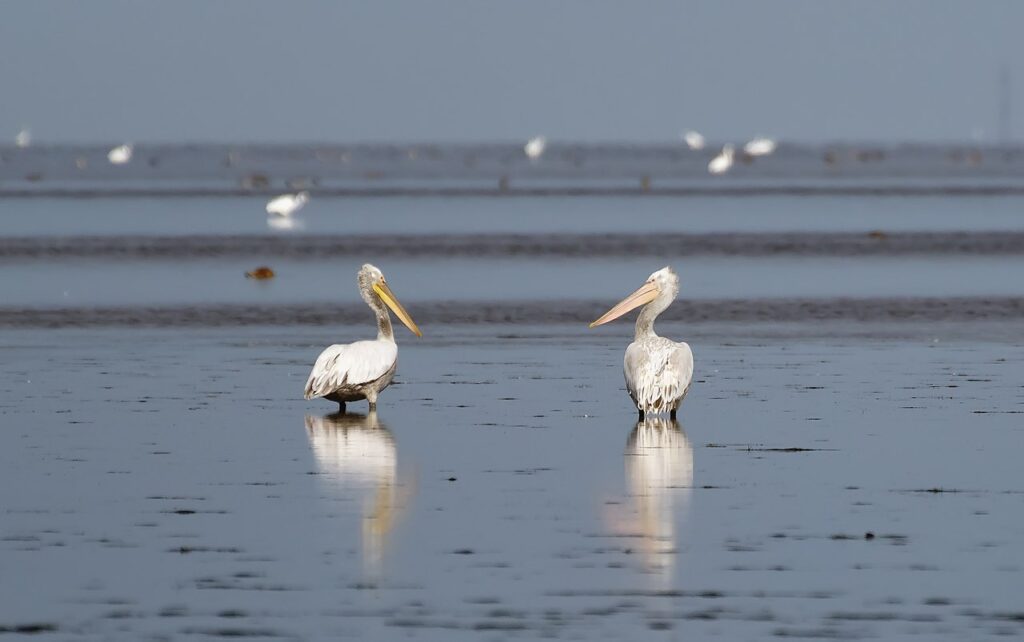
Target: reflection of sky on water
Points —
{"points": [[357, 455]]}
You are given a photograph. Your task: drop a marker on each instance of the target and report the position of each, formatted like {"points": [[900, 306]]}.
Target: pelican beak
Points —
{"points": [[389, 299], [647, 293]]}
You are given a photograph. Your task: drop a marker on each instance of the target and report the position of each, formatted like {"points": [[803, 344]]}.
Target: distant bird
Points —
{"points": [[760, 146], [534, 148], [721, 163], [362, 369], [24, 138], [694, 140], [120, 154], [287, 204], [658, 371]]}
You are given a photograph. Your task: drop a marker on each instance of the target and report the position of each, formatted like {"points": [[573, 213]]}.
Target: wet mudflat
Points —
{"points": [[825, 480]]}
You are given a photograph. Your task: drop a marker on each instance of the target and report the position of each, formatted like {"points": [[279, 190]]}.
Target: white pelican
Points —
{"points": [[24, 138], [694, 140], [534, 147], [721, 163], [362, 369], [120, 154], [760, 146], [287, 204], [658, 371]]}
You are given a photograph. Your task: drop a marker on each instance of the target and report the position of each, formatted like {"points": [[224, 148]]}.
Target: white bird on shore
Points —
{"points": [[287, 204], [534, 147], [760, 146], [694, 140], [721, 163], [360, 370], [24, 138], [120, 154], [658, 371]]}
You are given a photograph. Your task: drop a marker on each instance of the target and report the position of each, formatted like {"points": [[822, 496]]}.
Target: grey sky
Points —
{"points": [[472, 70]]}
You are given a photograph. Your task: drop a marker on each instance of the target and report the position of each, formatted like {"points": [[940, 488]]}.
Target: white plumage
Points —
{"points": [[24, 138], [120, 154], [351, 364], [760, 146], [360, 370], [658, 371], [694, 140], [287, 204], [534, 147], [721, 163]]}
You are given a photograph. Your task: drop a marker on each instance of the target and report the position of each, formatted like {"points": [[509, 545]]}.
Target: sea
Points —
{"points": [[845, 466]]}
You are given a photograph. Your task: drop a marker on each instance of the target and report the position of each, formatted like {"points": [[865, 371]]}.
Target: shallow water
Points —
{"points": [[845, 466], [163, 483]]}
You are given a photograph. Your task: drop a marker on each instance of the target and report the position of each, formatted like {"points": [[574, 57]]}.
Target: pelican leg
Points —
{"points": [[373, 406], [672, 415], [641, 413], [341, 407]]}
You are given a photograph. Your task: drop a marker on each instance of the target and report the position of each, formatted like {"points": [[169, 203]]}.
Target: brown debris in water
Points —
{"points": [[261, 273]]}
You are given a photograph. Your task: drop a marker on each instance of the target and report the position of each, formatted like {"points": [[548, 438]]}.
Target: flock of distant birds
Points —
{"points": [[658, 371], [720, 164]]}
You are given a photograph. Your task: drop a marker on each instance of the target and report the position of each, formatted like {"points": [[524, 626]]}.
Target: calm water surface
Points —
{"points": [[838, 478], [161, 483]]}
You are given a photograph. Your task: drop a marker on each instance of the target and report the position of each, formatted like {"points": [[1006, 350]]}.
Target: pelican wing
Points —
{"points": [[658, 373], [350, 365]]}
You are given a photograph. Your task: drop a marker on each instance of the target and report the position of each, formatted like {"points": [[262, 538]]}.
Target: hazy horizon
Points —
{"points": [[458, 72]]}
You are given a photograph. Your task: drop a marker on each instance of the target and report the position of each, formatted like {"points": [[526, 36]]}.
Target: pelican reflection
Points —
{"points": [[659, 477], [357, 453]]}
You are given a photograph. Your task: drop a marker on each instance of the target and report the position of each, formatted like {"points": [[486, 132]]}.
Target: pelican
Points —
{"points": [[694, 140], [721, 163], [534, 147], [658, 371], [287, 204], [24, 138], [120, 154], [362, 369], [760, 146]]}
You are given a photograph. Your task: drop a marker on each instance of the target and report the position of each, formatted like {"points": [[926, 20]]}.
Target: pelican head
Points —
{"points": [[373, 287], [660, 289]]}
